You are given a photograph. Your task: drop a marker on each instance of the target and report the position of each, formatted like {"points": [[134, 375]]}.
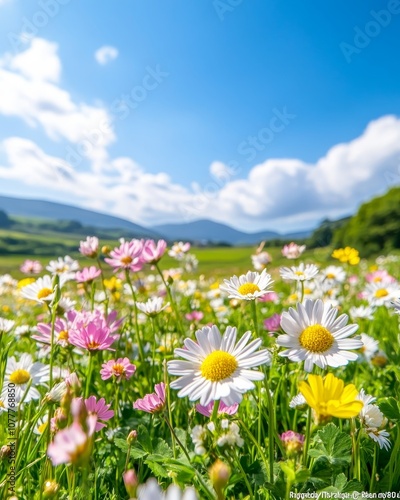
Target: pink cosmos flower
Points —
{"points": [[90, 247], [153, 252], [194, 316], [293, 250], [353, 279], [269, 297], [31, 267], [154, 402], [121, 369], [127, 256], [273, 323], [100, 409], [95, 336], [87, 275], [222, 409], [380, 276], [61, 335]]}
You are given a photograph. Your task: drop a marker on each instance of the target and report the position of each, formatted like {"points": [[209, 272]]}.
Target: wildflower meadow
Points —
{"points": [[125, 378]]}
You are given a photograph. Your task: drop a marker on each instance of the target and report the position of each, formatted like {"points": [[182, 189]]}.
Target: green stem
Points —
{"points": [[255, 442], [214, 415], [89, 375], [248, 486], [172, 300], [374, 465], [104, 287], [271, 436], [254, 313], [139, 339], [307, 440]]}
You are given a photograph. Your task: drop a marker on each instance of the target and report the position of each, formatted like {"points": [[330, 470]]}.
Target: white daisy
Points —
{"points": [[380, 437], [247, 286], [370, 346], [39, 291], [6, 325], [178, 250], [299, 273], [65, 267], [151, 491], [153, 306], [396, 305], [364, 312], [297, 401], [216, 368], [19, 374], [334, 273], [379, 294], [314, 335]]}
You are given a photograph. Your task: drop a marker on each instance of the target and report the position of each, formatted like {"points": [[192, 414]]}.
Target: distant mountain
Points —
{"points": [[206, 230], [57, 211]]}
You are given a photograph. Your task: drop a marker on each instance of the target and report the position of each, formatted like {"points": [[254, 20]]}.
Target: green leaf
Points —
{"points": [[162, 448], [390, 408], [332, 445], [144, 438], [352, 486], [157, 469], [340, 481], [121, 444], [137, 453], [288, 471]]}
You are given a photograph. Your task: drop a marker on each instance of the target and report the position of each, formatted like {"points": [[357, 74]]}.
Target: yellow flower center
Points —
{"points": [[41, 428], [382, 292], [316, 338], [20, 377], [377, 279], [248, 288], [118, 369], [92, 345], [126, 260], [330, 276], [299, 273], [44, 292], [63, 335], [1, 404], [218, 365], [307, 291]]}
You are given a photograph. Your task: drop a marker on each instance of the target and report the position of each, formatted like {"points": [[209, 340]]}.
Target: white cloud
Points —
{"points": [[282, 194], [29, 91], [106, 54]]}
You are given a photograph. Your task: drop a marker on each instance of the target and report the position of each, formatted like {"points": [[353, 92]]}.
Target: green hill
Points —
{"points": [[375, 227]]}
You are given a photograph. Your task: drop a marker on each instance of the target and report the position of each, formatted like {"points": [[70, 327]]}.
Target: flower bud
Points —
{"points": [[132, 436], [5, 452], [219, 475], [105, 250], [292, 442], [50, 488], [131, 482]]}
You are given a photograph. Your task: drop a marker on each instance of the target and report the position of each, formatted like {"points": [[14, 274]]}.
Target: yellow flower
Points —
{"points": [[348, 254], [25, 282], [330, 397]]}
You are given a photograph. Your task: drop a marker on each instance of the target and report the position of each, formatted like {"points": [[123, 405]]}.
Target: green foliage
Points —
{"points": [[375, 227], [4, 220], [323, 235]]}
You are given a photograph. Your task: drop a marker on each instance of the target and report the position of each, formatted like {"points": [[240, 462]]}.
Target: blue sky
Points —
{"points": [[241, 123]]}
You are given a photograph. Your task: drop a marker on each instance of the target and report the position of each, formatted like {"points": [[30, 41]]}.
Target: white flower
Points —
{"points": [[370, 346], [396, 305], [380, 437], [379, 294], [261, 260], [151, 491], [23, 372], [364, 312], [41, 290], [65, 267], [216, 368], [316, 336], [6, 325], [334, 273], [57, 392], [198, 435], [247, 286], [152, 307], [299, 273], [3, 401], [22, 330], [232, 437], [297, 401], [178, 250], [293, 250]]}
